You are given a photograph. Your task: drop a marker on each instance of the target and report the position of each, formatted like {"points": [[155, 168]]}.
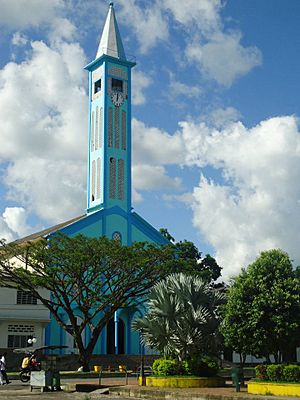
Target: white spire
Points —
{"points": [[111, 43]]}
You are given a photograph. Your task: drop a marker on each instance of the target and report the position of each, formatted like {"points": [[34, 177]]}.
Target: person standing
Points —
{"points": [[3, 369]]}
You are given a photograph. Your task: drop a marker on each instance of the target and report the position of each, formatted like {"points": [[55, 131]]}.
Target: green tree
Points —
{"points": [[189, 260], [181, 318], [88, 277], [262, 314]]}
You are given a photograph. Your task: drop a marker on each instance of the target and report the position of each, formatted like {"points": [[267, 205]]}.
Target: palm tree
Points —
{"points": [[181, 318]]}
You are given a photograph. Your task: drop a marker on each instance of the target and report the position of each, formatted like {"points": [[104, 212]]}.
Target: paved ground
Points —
{"points": [[20, 391], [17, 390]]}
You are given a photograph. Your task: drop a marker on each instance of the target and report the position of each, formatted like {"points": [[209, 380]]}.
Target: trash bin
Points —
{"points": [[237, 377], [56, 380], [122, 368], [97, 368]]}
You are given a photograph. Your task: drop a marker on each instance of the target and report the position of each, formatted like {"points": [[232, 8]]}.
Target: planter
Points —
{"points": [[274, 389], [183, 382]]}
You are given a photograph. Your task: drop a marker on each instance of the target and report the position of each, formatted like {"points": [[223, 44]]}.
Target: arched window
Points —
{"points": [[110, 127], [121, 179], [117, 236], [124, 130], [93, 179], [112, 178]]}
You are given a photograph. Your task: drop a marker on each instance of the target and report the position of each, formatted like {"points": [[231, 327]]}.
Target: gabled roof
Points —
{"points": [[44, 233], [111, 42]]}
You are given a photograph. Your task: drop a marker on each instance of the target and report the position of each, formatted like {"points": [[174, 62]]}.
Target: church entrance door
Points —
{"points": [[110, 337]]}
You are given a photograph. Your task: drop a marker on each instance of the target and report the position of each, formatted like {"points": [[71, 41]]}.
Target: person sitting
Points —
{"points": [[25, 362]]}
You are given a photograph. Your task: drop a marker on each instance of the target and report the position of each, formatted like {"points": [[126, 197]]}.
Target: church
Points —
{"points": [[109, 210]]}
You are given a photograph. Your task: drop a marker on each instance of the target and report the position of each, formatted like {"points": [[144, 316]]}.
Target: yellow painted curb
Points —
{"points": [[185, 382], [275, 389]]}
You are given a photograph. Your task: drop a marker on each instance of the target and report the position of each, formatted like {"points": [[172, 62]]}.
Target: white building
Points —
{"points": [[21, 317]]}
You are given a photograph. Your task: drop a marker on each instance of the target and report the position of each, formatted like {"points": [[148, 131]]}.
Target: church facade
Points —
{"points": [[109, 210]]}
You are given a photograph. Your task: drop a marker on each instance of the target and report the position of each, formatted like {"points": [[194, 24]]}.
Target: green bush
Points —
{"points": [[261, 372], [291, 373], [203, 366], [165, 367], [275, 372]]}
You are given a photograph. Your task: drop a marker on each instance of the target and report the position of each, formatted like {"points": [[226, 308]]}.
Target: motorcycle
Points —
{"points": [[26, 372]]}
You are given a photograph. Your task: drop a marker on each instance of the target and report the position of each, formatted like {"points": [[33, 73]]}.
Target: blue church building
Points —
{"points": [[109, 210]]}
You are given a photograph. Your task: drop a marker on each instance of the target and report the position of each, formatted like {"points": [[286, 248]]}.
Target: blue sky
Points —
{"points": [[216, 145]]}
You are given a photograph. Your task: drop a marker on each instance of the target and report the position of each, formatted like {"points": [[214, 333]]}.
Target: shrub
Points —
{"points": [[165, 367], [261, 372], [203, 366], [291, 373], [275, 372]]}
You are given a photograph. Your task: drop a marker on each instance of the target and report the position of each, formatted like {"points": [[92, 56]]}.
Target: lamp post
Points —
{"points": [[32, 340], [142, 369]]}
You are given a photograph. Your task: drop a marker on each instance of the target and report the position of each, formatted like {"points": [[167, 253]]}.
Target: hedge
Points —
{"points": [[278, 373]]}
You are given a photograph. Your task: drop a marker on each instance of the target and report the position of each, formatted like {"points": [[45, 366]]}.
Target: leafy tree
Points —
{"points": [[181, 318], [262, 315], [190, 261], [88, 277]]}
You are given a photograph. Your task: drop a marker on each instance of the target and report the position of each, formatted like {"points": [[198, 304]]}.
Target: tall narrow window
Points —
{"points": [[124, 134], [100, 127], [98, 177], [117, 127], [97, 86], [110, 127], [112, 178], [93, 179], [92, 131], [121, 179], [96, 129], [117, 85], [109, 84]]}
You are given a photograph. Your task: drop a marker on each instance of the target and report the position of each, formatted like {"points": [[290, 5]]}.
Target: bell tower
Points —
{"points": [[109, 129]]}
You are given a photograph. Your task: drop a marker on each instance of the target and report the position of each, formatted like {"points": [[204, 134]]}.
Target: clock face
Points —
{"points": [[117, 98]]}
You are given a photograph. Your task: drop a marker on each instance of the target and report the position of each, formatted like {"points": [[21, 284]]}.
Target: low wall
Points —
{"points": [[183, 382], [70, 362], [274, 389]]}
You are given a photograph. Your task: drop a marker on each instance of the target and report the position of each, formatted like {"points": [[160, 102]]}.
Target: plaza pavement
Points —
{"points": [[117, 390]]}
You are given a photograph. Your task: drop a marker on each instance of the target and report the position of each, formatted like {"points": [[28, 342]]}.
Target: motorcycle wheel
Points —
{"points": [[24, 376]]}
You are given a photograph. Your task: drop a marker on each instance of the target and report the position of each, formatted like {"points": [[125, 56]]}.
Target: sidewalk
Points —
{"points": [[222, 393], [83, 389]]}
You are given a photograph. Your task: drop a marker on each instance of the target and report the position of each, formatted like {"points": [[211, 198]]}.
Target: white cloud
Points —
{"points": [[43, 133], [152, 150], [179, 91], [150, 177], [13, 223], [258, 205], [153, 146], [222, 117], [18, 39], [20, 14], [223, 58], [202, 13], [140, 82], [148, 23]]}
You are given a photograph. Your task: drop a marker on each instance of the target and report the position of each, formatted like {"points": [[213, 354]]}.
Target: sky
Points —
{"points": [[215, 118]]}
